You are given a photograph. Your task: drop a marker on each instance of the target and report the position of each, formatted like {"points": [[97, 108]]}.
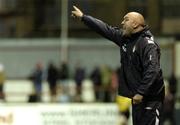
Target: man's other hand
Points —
{"points": [[137, 99], [77, 12]]}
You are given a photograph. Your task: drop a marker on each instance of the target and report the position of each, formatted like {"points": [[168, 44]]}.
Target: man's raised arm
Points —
{"points": [[109, 32]]}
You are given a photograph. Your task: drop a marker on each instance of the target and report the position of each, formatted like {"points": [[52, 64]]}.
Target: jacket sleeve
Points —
{"points": [[151, 66], [112, 33]]}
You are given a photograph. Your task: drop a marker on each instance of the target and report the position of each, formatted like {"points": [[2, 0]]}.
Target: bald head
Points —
{"points": [[133, 22], [137, 17]]}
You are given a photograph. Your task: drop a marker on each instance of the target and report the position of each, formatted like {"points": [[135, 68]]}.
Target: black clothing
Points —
{"points": [[96, 76], [79, 75], [52, 76], [173, 84], [147, 113], [140, 60], [64, 71], [140, 71]]}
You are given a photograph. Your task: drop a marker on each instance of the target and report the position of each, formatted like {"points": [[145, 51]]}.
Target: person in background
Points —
{"points": [[106, 82], [168, 112], [2, 80], [170, 100], [95, 76], [141, 76], [64, 71], [37, 78], [79, 76], [114, 85], [173, 84], [52, 77]]}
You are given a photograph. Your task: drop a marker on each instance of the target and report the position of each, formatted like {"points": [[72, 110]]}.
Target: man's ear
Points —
{"points": [[135, 25]]}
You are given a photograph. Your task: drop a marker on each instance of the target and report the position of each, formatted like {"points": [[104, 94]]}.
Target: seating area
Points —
{"points": [[19, 90]]}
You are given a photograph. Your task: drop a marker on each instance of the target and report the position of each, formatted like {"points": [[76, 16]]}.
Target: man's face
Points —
{"points": [[127, 25]]}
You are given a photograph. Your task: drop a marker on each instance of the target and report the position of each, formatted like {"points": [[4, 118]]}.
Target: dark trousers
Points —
{"points": [[147, 113]]}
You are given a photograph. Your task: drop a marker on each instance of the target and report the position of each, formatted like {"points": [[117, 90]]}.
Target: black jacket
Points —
{"points": [[140, 60]]}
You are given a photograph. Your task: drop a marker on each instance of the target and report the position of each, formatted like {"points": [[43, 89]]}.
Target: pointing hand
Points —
{"points": [[77, 12]]}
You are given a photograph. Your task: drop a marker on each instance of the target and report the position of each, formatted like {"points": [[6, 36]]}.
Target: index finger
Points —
{"points": [[75, 8]]}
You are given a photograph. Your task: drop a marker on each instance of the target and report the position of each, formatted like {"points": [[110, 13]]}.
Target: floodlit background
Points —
{"points": [[41, 42]]}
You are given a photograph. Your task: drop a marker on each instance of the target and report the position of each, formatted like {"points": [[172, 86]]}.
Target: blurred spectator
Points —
{"points": [[173, 84], [64, 71], [170, 99], [106, 80], [2, 80], [114, 85], [95, 76], [37, 78], [118, 72], [52, 77], [79, 76]]}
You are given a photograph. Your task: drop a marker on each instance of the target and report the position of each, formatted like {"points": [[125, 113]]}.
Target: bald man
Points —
{"points": [[140, 77]]}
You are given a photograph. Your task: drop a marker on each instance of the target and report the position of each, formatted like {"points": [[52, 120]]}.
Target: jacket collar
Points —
{"points": [[145, 31]]}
